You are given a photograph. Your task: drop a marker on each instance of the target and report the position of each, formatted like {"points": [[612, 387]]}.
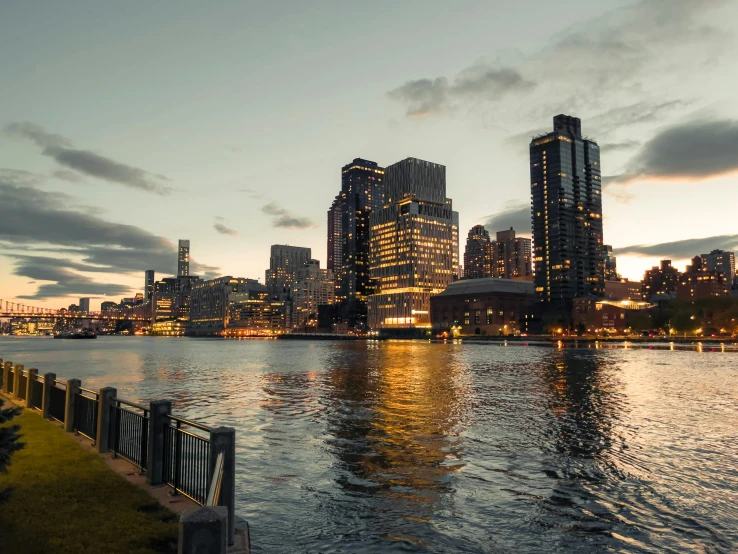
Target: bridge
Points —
{"points": [[19, 310]]}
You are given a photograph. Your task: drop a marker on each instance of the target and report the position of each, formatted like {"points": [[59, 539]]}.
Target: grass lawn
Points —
{"points": [[65, 499]]}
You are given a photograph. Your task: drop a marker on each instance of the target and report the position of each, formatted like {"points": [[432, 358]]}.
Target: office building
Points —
{"points": [[84, 305], [108, 306], [209, 302], [313, 287], [478, 254], [183, 259], [171, 297], [567, 216], [660, 282], [722, 262], [412, 246], [481, 306], [611, 265], [511, 256], [284, 262], [149, 281]]}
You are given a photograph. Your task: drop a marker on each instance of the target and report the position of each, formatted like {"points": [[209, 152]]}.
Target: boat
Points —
{"points": [[77, 334]]}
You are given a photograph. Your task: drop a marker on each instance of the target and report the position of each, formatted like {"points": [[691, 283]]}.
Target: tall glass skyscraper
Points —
{"points": [[566, 193], [362, 192], [413, 241], [477, 258], [183, 259]]}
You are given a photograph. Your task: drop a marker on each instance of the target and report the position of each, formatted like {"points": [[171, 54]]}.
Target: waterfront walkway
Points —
{"points": [[66, 499]]}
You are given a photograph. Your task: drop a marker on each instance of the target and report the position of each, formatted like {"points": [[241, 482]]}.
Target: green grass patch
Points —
{"points": [[66, 500]]}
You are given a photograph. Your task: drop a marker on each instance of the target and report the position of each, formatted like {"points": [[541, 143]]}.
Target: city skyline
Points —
{"points": [[122, 178]]}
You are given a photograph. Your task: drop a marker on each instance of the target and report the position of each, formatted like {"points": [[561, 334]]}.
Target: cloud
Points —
{"points": [[284, 218], [223, 229], [251, 193], [67, 175], [478, 82], [43, 221], [693, 151], [88, 163], [681, 249], [514, 215], [615, 146]]}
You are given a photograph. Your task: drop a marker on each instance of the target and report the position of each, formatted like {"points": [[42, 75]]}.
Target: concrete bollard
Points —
{"points": [[2, 375], [49, 379], [6, 376], [158, 410], [223, 439], [104, 403], [73, 386], [203, 531], [29, 386], [17, 372]]}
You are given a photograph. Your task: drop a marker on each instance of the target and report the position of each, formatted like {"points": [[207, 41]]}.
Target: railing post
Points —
{"points": [[30, 380], [6, 376], [104, 402], [203, 531], [223, 439], [72, 390], [49, 379], [158, 410], [17, 372]]}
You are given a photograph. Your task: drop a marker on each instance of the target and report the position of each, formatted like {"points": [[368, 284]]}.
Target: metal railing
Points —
{"points": [[130, 431], [22, 384], [57, 400], [37, 393], [85, 413], [186, 458]]}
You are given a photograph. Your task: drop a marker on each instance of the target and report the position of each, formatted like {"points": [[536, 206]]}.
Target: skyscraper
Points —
{"points": [[477, 254], [335, 242], [183, 260], [611, 264], [149, 281], [412, 245], [567, 215], [313, 287], [284, 262], [362, 192], [511, 256], [84, 305]]}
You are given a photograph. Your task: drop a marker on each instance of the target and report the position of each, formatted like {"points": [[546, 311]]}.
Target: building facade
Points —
{"points": [[478, 254], [484, 306], [721, 261], [412, 246], [335, 242], [313, 287], [84, 305], [511, 256], [624, 290], [611, 265], [284, 262], [698, 282], [591, 315], [171, 298], [566, 193], [183, 258], [660, 282]]}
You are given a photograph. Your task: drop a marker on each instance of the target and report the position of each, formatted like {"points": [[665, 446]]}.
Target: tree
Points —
{"points": [[8, 443]]}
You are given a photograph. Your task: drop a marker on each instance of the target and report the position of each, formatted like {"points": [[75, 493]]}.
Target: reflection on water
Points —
{"points": [[416, 447]]}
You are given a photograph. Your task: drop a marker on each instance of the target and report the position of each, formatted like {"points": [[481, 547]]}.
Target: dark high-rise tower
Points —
{"points": [[183, 259], [477, 262], [362, 192], [149, 285], [567, 214]]}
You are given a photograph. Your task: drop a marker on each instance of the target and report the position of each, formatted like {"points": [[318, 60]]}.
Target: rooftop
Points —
{"points": [[487, 285]]}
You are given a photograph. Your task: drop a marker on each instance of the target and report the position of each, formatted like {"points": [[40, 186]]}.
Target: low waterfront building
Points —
{"points": [[486, 306], [624, 290], [594, 315], [169, 328], [256, 317]]}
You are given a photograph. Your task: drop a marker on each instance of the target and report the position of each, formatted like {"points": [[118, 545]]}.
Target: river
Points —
{"points": [[455, 448]]}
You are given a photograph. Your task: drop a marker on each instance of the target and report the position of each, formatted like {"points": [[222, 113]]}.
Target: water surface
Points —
{"points": [[418, 447]]}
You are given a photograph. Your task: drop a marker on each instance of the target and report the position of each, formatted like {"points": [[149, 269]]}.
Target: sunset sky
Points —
{"points": [[126, 126]]}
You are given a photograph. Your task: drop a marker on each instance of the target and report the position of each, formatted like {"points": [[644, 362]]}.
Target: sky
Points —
{"points": [[125, 126]]}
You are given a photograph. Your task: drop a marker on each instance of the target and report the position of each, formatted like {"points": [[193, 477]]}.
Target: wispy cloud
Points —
{"points": [[222, 228], [681, 249], [86, 162], [284, 218]]}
